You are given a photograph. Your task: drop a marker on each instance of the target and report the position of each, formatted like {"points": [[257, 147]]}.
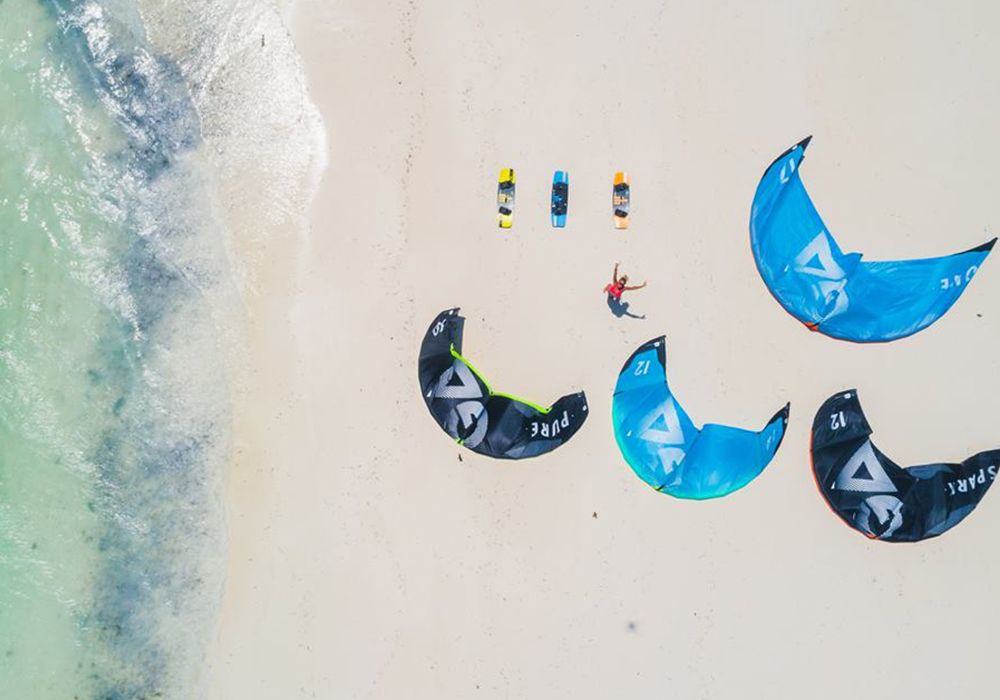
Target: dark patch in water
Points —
{"points": [[155, 283], [152, 495], [156, 494], [146, 92]]}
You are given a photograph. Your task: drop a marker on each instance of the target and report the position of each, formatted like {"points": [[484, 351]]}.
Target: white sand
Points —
{"points": [[367, 561]]}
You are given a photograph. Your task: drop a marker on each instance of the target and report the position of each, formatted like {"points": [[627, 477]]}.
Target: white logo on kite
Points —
{"points": [[784, 176], [863, 472], [956, 280], [470, 413], [662, 426], [888, 514], [967, 484], [550, 429], [837, 420], [457, 382], [670, 457], [816, 260]]}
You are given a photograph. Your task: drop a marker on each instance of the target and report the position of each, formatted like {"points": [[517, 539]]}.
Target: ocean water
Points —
{"points": [[119, 294]]}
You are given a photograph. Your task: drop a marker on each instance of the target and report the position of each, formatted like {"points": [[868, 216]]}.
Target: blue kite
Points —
{"points": [[836, 293], [667, 451]]}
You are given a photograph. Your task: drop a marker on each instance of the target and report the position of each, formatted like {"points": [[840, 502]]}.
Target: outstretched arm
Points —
{"points": [[637, 286], [614, 275]]}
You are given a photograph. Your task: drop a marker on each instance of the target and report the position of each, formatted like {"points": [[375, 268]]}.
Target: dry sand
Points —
{"points": [[368, 561]]}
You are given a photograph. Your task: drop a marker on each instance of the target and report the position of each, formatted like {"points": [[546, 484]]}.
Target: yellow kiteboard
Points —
{"points": [[505, 198], [620, 196]]}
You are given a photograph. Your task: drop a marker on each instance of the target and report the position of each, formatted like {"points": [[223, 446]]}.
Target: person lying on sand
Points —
{"points": [[617, 286]]}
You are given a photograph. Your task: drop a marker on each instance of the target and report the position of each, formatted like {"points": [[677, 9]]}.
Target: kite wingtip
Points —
{"points": [[985, 247], [783, 413], [801, 144], [847, 395], [658, 341]]}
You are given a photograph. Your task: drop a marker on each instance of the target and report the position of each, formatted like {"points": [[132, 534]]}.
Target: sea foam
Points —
{"points": [[119, 313]]}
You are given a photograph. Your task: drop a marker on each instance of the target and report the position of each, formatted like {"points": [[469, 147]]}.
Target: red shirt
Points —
{"points": [[614, 290]]}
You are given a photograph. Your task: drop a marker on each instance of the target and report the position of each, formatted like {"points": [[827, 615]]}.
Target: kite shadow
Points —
{"points": [[620, 308]]}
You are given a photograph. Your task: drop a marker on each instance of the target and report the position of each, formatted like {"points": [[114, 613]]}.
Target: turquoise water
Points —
{"points": [[113, 413]]}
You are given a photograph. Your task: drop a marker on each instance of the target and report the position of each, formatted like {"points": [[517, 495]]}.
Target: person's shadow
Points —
{"points": [[620, 308]]}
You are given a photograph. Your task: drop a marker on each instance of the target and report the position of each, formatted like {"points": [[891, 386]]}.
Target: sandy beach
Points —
{"points": [[372, 557]]}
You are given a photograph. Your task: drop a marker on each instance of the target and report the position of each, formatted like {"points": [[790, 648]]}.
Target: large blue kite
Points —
{"points": [[836, 293], [667, 451]]}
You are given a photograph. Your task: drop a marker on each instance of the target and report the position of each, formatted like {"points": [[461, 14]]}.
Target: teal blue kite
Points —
{"points": [[667, 451]]}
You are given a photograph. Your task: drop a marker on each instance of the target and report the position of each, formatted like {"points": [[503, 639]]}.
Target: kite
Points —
{"points": [[667, 451], [877, 497], [485, 421], [835, 293]]}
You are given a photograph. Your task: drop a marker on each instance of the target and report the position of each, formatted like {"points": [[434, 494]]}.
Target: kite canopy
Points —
{"points": [[881, 499], [667, 451], [487, 422], [836, 293]]}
